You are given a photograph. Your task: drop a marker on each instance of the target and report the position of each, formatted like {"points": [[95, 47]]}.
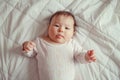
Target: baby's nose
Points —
{"points": [[61, 29]]}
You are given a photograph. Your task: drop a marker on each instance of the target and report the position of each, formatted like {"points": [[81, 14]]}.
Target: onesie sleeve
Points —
{"points": [[79, 53], [30, 53]]}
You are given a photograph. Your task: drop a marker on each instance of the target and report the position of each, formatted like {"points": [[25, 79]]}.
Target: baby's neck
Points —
{"points": [[47, 39]]}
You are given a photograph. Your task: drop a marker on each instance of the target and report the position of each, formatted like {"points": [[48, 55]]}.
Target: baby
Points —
{"points": [[57, 53]]}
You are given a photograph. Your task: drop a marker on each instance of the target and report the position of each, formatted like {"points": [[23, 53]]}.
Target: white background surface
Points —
{"points": [[98, 28]]}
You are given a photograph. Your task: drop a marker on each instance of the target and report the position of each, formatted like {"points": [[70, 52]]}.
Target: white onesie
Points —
{"points": [[57, 62]]}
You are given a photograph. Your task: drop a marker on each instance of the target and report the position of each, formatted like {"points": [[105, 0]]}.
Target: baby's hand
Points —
{"points": [[90, 57], [28, 46]]}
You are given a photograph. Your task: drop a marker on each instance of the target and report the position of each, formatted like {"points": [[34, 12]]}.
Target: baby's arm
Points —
{"points": [[29, 48], [87, 57]]}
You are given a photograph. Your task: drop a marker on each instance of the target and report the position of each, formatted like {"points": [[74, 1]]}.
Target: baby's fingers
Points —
{"points": [[32, 44], [26, 50], [93, 58], [90, 53], [28, 45]]}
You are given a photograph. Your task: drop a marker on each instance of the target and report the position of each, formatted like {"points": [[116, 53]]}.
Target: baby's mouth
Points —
{"points": [[59, 36]]}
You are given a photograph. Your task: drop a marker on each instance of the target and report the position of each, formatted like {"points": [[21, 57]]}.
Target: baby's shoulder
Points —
{"points": [[75, 44], [37, 39]]}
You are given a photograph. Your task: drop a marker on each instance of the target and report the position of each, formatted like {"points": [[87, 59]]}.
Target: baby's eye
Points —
{"points": [[67, 28], [56, 25]]}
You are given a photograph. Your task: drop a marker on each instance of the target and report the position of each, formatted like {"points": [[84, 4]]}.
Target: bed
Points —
{"points": [[98, 28]]}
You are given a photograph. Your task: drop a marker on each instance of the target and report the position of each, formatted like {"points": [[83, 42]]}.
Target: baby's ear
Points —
{"points": [[74, 32]]}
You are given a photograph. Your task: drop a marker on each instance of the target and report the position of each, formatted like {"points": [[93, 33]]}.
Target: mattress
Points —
{"points": [[98, 28]]}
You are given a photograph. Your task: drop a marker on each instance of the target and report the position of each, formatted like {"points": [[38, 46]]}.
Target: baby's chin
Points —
{"points": [[61, 41]]}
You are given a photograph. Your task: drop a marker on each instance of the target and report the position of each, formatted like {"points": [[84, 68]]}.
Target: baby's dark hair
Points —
{"points": [[66, 13]]}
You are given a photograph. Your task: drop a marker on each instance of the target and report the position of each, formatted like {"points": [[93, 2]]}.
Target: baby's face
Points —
{"points": [[61, 29]]}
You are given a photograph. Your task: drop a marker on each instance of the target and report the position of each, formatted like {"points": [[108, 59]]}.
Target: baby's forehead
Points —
{"points": [[62, 15], [56, 17], [63, 19]]}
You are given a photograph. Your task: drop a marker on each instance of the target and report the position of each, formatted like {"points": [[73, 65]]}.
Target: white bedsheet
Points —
{"points": [[98, 28]]}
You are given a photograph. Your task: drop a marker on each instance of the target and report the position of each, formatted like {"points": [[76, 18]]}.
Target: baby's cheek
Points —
{"points": [[68, 38]]}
